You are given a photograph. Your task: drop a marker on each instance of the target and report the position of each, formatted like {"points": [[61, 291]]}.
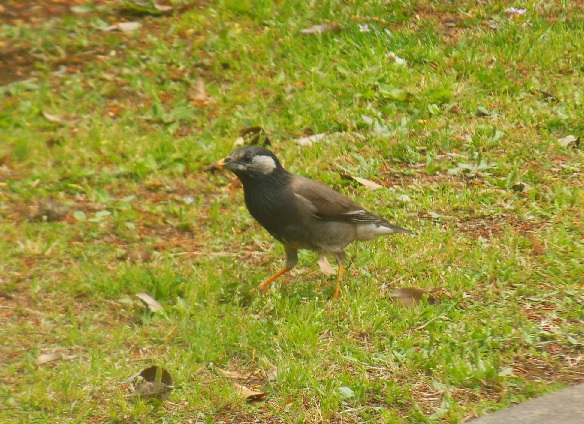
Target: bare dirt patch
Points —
{"points": [[18, 59], [36, 12], [19, 62], [551, 371]]}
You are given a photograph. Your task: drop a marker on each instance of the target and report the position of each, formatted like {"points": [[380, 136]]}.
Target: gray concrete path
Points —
{"points": [[563, 407]]}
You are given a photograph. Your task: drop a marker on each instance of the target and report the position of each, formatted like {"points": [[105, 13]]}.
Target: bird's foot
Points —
{"points": [[263, 287]]}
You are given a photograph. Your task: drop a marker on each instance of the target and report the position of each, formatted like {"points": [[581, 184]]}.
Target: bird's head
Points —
{"points": [[250, 162]]}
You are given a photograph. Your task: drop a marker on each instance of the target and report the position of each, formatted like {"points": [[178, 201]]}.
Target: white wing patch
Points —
{"points": [[264, 164], [370, 231]]}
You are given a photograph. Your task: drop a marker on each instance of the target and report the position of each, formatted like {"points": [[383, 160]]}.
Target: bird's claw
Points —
{"points": [[262, 287]]}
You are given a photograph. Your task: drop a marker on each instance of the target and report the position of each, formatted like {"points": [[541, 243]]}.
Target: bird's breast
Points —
{"points": [[274, 210]]}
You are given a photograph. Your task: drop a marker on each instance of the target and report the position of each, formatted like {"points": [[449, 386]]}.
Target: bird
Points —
{"points": [[299, 212]]}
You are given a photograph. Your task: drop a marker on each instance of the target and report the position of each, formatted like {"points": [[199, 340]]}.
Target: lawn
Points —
{"points": [[469, 115]]}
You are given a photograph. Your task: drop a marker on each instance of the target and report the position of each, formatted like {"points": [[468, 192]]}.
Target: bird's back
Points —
{"points": [[303, 213]]}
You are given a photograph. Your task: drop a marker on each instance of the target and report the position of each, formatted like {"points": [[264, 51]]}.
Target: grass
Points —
{"points": [[464, 138]]}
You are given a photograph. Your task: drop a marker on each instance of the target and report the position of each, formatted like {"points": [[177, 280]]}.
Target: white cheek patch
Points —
{"points": [[264, 164]]}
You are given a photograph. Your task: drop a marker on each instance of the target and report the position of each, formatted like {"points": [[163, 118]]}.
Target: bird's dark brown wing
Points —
{"points": [[325, 203]]}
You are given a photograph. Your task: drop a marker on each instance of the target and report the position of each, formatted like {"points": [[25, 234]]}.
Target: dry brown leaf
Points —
{"points": [[137, 255], [367, 183], [520, 186], [53, 118], [547, 96], [152, 304], [50, 210], [569, 141], [233, 374], [325, 266], [272, 373], [163, 8], [310, 140], [48, 357], [197, 94], [151, 383], [254, 136], [54, 356], [148, 390], [320, 29], [410, 296], [128, 27], [248, 393]]}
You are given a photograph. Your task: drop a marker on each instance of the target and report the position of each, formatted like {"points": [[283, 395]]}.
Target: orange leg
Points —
{"points": [[339, 277], [263, 286]]}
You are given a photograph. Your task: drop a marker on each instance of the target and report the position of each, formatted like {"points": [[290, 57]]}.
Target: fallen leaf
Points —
{"points": [[272, 373], [482, 112], [54, 356], [493, 24], [367, 183], [505, 372], [569, 141], [81, 9], [197, 93], [53, 118], [270, 370], [137, 255], [152, 304], [346, 392], [125, 27], [156, 373], [149, 390], [248, 393], [48, 357], [325, 266], [320, 29], [151, 383], [310, 140], [520, 186], [50, 210], [233, 374], [548, 96], [410, 296], [254, 136], [163, 8]]}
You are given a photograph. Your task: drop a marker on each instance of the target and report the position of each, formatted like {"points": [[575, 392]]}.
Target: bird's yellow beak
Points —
{"points": [[221, 164]]}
